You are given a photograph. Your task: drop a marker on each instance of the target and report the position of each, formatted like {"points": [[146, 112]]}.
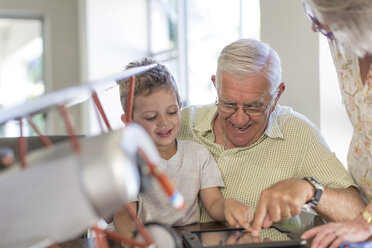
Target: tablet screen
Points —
{"points": [[237, 238], [230, 237]]}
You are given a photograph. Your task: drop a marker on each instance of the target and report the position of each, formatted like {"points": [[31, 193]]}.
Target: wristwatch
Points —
{"points": [[319, 188], [367, 216]]}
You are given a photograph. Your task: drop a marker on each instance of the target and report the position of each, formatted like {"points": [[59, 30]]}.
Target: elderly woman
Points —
{"points": [[348, 27]]}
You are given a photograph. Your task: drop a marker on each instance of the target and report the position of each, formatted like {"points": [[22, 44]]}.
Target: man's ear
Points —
{"points": [[123, 118], [281, 88], [213, 78]]}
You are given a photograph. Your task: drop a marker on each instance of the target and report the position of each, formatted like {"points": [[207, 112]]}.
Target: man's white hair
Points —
{"points": [[249, 57], [349, 20]]}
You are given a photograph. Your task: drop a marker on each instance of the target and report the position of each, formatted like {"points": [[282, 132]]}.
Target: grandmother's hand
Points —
{"points": [[334, 234]]}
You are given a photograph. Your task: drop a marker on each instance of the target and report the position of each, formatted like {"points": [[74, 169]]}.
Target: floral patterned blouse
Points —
{"points": [[357, 99]]}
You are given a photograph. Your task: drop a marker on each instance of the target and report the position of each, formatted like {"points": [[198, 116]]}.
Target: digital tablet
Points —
{"points": [[234, 238]]}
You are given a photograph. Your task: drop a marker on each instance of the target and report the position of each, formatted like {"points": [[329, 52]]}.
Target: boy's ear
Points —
{"points": [[123, 118]]}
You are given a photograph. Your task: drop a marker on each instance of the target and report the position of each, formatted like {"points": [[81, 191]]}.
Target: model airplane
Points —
{"points": [[59, 192]]}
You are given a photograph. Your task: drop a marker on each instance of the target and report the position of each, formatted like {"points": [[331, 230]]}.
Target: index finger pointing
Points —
{"points": [[258, 220]]}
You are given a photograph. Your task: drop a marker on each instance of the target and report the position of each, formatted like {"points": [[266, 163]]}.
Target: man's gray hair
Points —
{"points": [[249, 57], [349, 20]]}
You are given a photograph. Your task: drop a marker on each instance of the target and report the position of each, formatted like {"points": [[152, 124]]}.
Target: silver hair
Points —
{"points": [[249, 57], [349, 20]]}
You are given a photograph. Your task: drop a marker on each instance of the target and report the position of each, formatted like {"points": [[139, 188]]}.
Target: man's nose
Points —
{"points": [[240, 117]]}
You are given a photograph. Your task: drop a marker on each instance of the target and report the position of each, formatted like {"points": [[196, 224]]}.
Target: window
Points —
{"points": [[21, 67], [187, 36], [184, 35], [211, 26]]}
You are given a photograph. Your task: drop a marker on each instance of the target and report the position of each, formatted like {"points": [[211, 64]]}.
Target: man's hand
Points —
{"points": [[281, 201], [238, 214]]}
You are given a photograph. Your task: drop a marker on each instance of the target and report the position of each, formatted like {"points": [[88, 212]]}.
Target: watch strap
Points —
{"points": [[319, 188]]}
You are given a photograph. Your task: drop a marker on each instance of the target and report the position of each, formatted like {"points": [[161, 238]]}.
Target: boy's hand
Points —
{"points": [[238, 214]]}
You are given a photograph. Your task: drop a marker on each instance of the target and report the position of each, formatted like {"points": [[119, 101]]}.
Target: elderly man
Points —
{"points": [[271, 157]]}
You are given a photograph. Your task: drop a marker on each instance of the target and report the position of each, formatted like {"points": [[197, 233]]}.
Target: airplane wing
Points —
{"points": [[69, 96]]}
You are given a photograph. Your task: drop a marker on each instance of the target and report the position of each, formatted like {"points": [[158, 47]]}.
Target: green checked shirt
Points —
{"points": [[291, 147]]}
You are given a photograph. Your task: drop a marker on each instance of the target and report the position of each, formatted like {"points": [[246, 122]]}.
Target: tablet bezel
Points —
{"points": [[190, 239]]}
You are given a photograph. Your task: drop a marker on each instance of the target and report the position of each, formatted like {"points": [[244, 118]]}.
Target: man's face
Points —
{"points": [[240, 128]]}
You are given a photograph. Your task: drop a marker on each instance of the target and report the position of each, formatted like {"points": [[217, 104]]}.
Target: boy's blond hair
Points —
{"points": [[148, 82]]}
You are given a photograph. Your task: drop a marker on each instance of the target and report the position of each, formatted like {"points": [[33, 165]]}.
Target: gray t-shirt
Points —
{"points": [[191, 169]]}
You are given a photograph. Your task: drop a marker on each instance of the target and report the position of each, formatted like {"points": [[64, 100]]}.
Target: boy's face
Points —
{"points": [[159, 114]]}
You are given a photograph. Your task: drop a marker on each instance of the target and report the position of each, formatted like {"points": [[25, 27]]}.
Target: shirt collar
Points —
{"points": [[273, 129], [206, 126]]}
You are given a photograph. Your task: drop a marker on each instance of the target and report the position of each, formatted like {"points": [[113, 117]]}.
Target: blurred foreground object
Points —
{"points": [[7, 158], [61, 193], [55, 194]]}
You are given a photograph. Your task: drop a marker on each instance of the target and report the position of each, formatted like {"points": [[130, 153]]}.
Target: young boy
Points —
{"points": [[189, 165]]}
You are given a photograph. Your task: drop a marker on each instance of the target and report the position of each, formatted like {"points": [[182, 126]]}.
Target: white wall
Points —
{"points": [[312, 85], [286, 28]]}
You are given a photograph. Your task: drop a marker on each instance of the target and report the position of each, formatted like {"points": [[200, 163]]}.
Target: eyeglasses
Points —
{"points": [[231, 107], [316, 24]]}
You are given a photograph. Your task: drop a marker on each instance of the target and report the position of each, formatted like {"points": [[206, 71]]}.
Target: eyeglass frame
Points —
{"points": [[246, 107], [316, 23]]}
